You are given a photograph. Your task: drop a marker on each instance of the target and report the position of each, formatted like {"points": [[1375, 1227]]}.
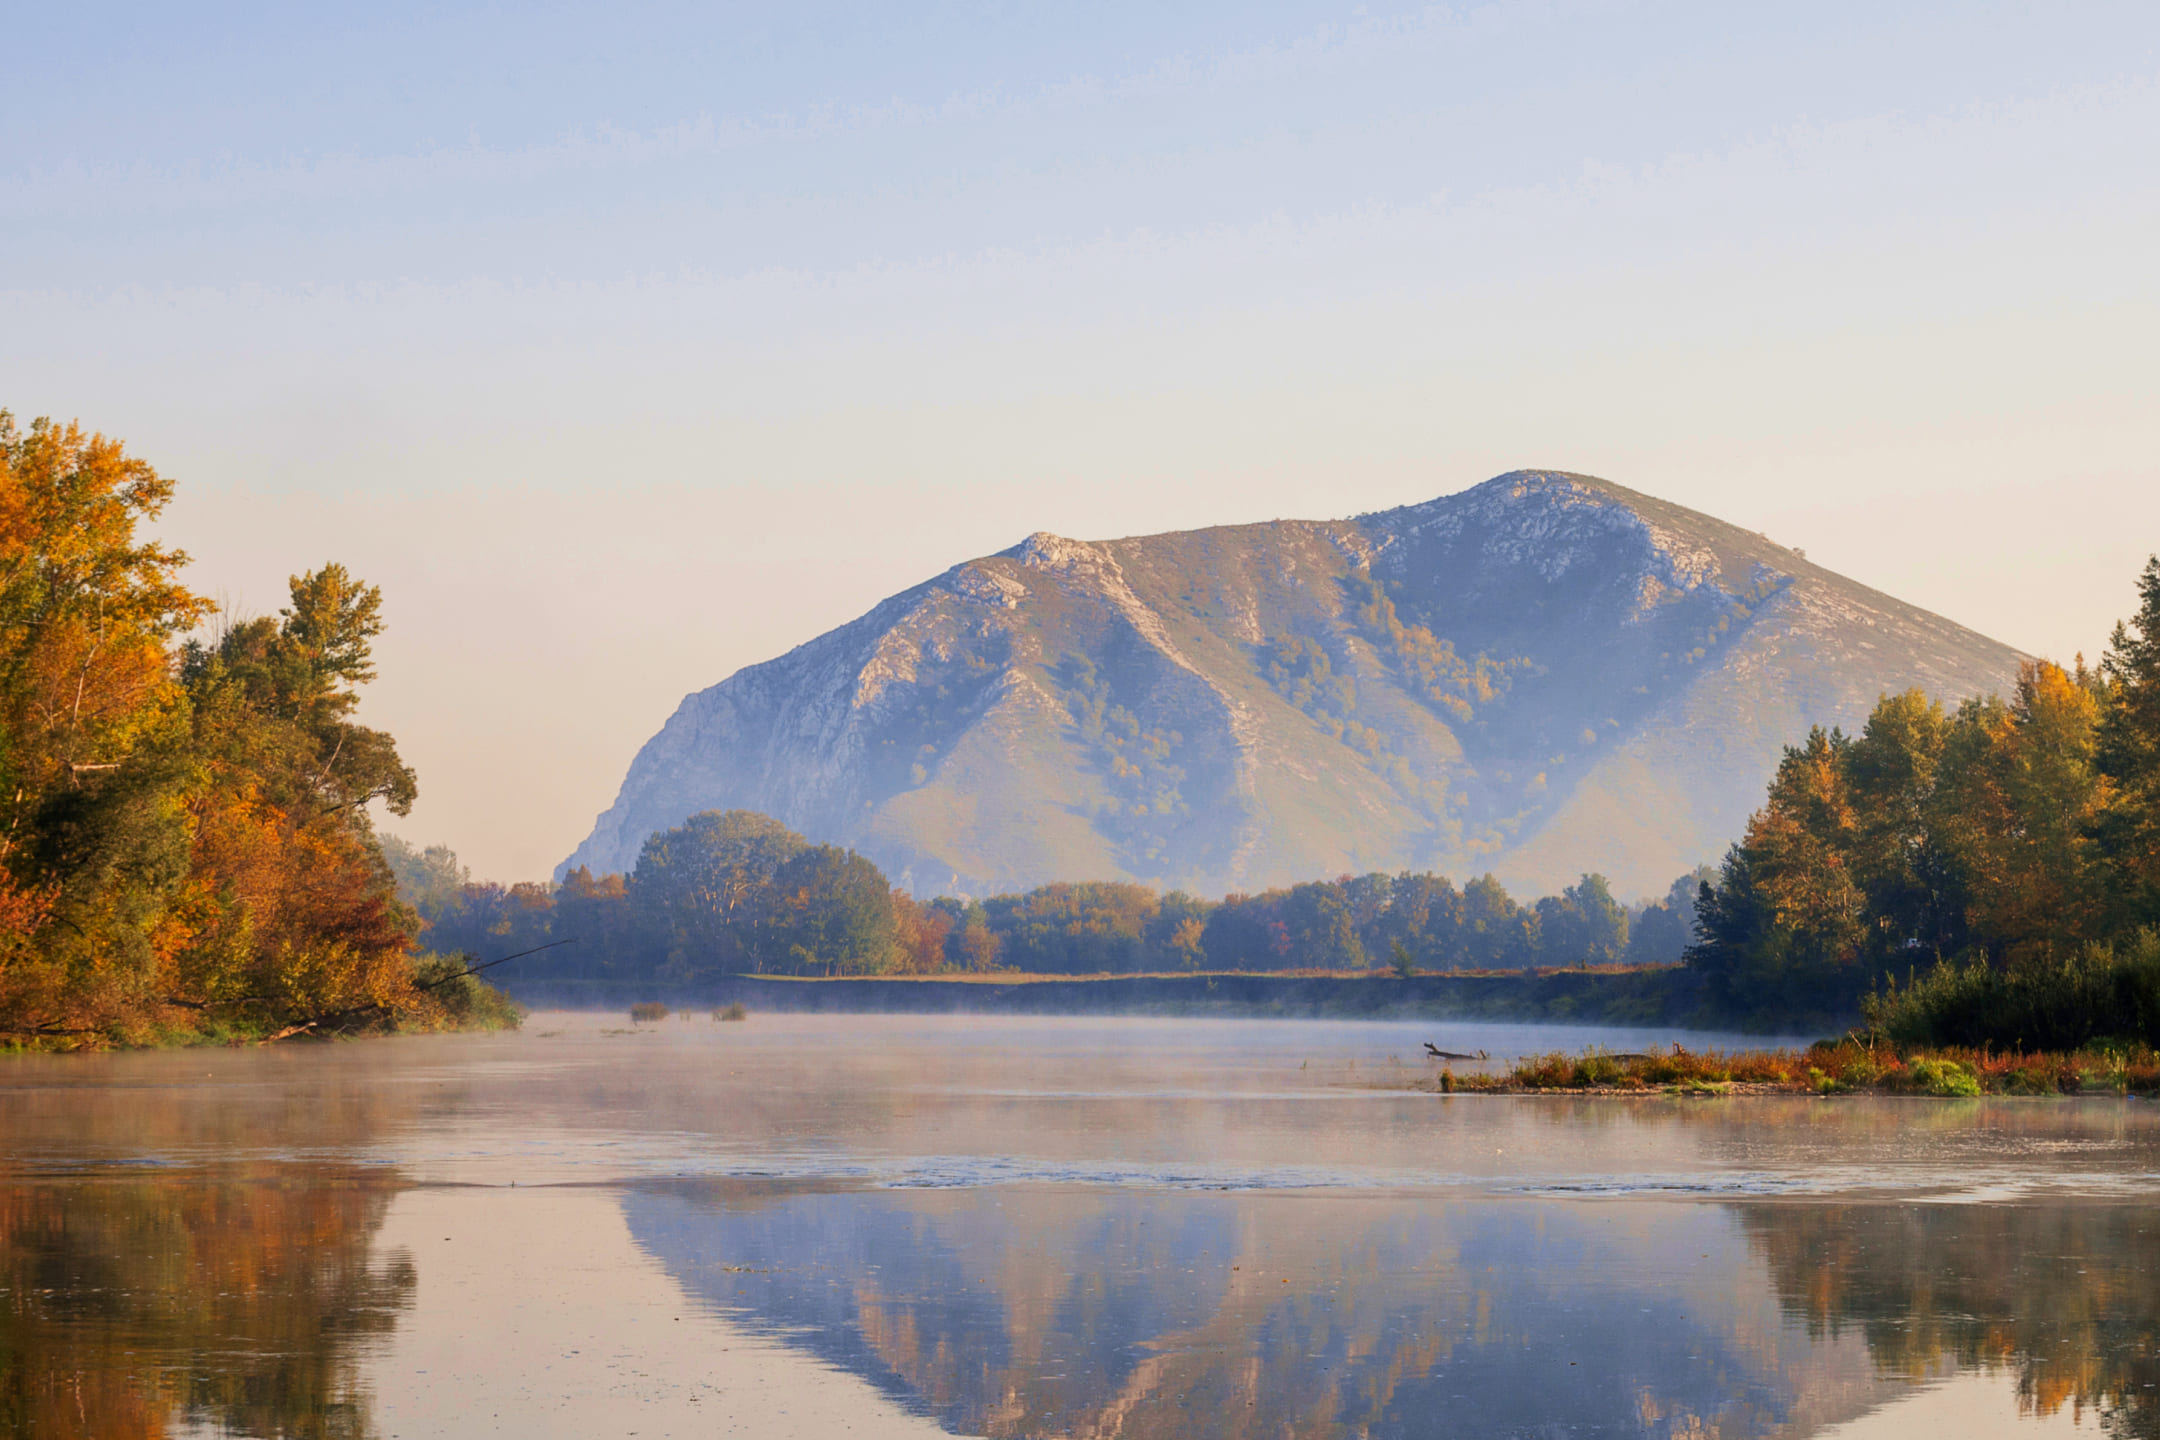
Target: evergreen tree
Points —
{"points": [[2128, 754]]}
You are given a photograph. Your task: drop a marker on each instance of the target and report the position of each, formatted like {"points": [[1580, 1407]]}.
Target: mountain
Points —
{"points": [[1543, 675]]}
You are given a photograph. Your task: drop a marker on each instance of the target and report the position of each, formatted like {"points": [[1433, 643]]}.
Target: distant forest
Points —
{"points": [[731, 892]]}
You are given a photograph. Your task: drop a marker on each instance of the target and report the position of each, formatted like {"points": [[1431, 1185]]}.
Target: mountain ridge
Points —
{"points": [[1544, 674]]}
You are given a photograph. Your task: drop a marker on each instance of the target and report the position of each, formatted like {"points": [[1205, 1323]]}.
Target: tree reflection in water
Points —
{"points": [[239, 1303], [2066, 1297]]}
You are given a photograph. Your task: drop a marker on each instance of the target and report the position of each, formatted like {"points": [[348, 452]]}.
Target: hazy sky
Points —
{"points": [[627, 345]]}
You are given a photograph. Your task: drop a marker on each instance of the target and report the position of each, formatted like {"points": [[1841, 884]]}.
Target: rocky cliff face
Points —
{"points": [[1544, 675]]}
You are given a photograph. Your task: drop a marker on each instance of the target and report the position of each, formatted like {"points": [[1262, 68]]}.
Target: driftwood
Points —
{"points": [[1434, 1052]]}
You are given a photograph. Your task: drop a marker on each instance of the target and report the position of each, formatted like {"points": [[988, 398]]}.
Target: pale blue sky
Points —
{"points": [[625, 346]]}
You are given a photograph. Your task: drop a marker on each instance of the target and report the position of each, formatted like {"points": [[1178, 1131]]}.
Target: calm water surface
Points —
{"points": [[904, 1226]]}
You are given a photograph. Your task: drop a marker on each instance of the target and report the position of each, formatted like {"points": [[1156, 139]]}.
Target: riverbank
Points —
{"points": [[1849, 1066], [1649, 995], [438, 996]]}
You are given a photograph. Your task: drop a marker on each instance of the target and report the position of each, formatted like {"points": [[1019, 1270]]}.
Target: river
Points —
{"points": [[864, 1225]]}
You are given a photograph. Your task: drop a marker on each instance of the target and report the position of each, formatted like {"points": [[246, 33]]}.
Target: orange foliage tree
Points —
{"points": [[93, 731], [184, 831]]}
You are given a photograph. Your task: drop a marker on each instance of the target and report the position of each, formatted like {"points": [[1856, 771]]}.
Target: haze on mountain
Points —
{"points": [[1544, 675]]}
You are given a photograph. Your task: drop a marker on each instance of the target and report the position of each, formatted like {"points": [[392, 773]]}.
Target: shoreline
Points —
{"points": [[1648, 996]]}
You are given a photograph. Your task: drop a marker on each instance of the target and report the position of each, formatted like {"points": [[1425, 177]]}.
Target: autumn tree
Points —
{"points": [[184, 829], [832, 913], [1581, 925], [971, 943], [920, 933], [705, 888], [2020, 795], [298, 909], [1885, 836], [1424, 915], [1497, 933], [93, 728]]}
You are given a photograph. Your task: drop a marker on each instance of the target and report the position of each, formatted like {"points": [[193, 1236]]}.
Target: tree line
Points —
{"points": [[736, 892], [185, 847], [2003, 857]]}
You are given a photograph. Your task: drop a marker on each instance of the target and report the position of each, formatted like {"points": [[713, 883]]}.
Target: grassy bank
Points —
{"points": [[1831, 1067]]}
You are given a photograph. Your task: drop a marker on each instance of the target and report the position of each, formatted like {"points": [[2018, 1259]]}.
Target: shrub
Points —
{"points": [[1941, 1077], [2039, 1077], [1826, 1084], [1555, 1071], [2101, 992], [457, 1000], [647, 1012], [733, 1011]]}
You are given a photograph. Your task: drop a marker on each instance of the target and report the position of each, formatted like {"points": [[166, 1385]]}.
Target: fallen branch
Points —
{"points": [[1434, 1052]]}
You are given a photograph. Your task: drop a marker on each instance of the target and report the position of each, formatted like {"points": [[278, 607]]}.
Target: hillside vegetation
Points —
{"points": [[185, 848]]}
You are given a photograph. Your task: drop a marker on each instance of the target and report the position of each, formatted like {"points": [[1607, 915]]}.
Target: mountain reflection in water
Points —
{"points": [[1048, 1312]]}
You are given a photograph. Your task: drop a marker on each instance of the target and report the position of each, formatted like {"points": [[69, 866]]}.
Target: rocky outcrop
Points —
{"points": [[1544, 675]]}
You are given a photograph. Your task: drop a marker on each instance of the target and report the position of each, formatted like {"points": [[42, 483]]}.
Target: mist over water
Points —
{"points": [[801, 1225]]}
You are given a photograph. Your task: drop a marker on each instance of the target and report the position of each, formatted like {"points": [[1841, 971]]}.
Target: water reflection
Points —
{"points": [[199, 1243], [130, 1307], [1047, 1312], [2066, 1297]]}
